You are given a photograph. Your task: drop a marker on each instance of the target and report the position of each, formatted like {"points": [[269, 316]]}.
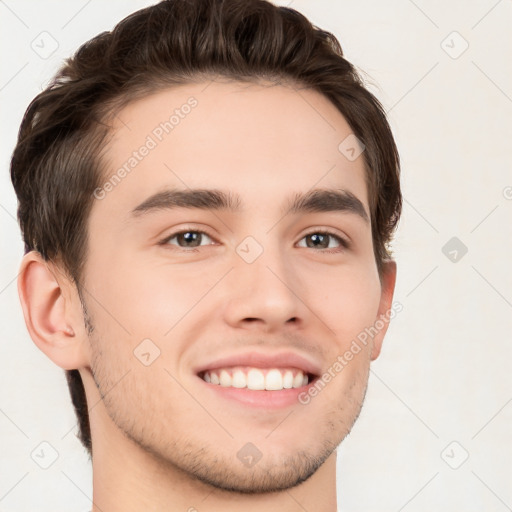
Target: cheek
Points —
{"points": [[348, 302], [147, 298]]}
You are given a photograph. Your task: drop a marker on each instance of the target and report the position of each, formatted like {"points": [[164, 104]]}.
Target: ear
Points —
{"points": [[388, 280], [52, 311]]}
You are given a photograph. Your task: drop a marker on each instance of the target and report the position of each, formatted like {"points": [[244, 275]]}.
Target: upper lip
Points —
{"points": [[263, 360]]}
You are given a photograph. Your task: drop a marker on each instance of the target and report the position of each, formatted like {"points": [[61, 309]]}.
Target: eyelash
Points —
{"points": [[344, 244]]}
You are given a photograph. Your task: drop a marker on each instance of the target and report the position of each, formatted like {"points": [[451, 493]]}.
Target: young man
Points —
{"points": [[207, 194]]}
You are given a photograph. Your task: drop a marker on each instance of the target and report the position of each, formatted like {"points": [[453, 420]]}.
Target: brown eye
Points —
{"points": [[187, 239], [322, 240]]}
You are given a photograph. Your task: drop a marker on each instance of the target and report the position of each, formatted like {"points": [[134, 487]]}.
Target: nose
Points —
{"points": [[264, 294]]}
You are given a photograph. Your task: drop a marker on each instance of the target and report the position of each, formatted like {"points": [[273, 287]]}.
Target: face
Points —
{"points": [[174, 286]]}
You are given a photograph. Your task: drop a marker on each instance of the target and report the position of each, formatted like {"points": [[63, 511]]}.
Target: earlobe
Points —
{"points": [[385, 307], [52, 312]]}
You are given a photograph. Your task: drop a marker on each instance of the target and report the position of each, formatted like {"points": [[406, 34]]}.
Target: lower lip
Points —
{"points": [[260, 398]]}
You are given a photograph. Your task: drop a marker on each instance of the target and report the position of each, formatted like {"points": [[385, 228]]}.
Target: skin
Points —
{"points": [[160, 441]]}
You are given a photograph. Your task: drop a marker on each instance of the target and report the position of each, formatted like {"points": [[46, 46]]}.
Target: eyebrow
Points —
{"points": [[317, 200]]}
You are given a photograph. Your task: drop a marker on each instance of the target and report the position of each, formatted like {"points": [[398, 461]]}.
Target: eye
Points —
{"points": [[187, 239], [190, 239], [322, 239]]}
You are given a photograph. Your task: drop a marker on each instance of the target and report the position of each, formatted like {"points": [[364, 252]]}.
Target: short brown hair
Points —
{"points": [[56, 165]]}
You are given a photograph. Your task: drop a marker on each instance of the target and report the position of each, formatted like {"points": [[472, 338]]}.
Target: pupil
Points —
{"points": [[190, 236], [317, 238]]}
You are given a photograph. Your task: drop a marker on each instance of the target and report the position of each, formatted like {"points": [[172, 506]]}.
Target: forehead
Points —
{"points": [[258, 140]]}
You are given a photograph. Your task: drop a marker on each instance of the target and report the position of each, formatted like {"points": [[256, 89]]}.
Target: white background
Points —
{"points": [[444, 372]]}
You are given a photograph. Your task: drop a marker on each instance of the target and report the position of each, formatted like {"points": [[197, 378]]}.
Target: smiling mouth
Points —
{"points": [[257, 379]]}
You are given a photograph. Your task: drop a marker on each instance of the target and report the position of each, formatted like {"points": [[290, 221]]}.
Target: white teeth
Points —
{"points": [[225, 378], [273, 379], [297, 381], [239, 380], [255, 379], [288, 380]]}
